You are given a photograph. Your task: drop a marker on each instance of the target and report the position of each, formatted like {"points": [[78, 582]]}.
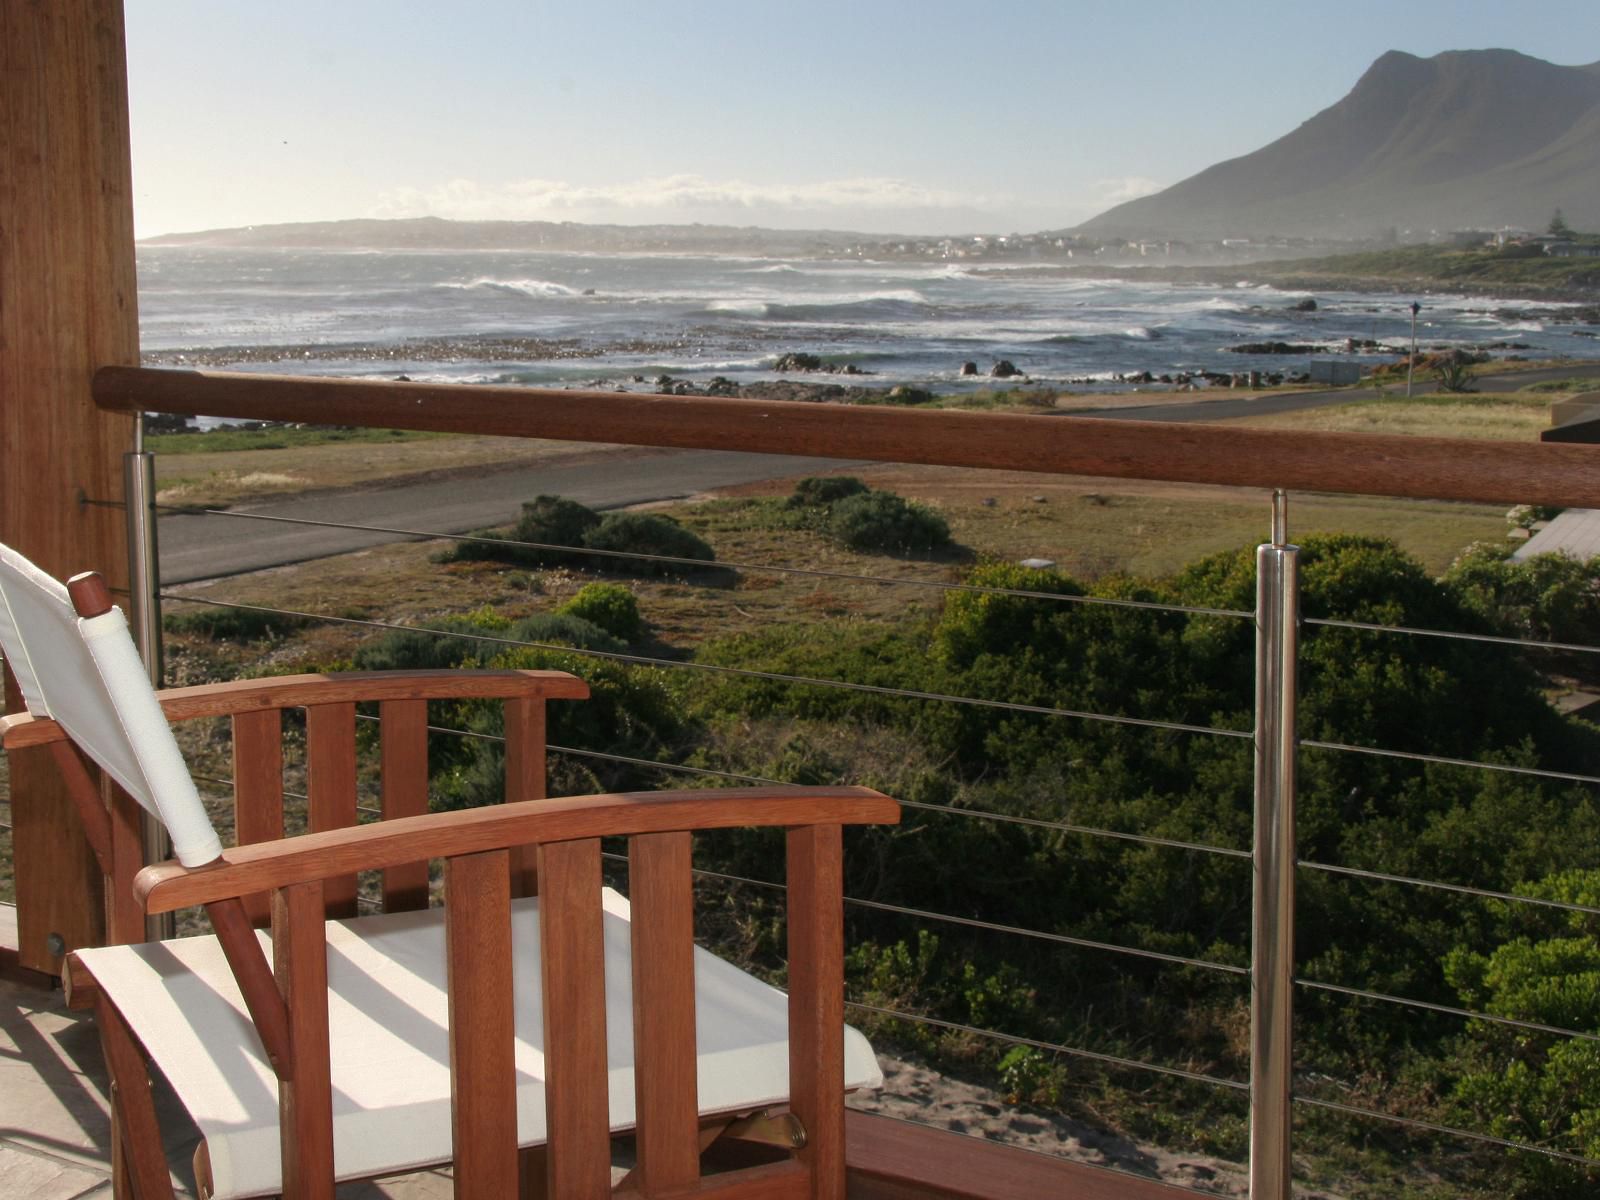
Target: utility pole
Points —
{"points": [[1411, 363]]}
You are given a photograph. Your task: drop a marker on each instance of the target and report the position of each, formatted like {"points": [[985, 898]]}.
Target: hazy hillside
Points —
{"points": [[434, 233], [1466, 139]]}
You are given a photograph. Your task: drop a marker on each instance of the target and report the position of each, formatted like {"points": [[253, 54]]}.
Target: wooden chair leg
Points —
{"points": [[138, 1165], [533, 1173], [305, 1093]]}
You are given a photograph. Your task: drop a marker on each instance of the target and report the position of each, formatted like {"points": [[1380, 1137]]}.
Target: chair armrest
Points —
{"points": [[313, 856], [18, 731], [344, 687]]}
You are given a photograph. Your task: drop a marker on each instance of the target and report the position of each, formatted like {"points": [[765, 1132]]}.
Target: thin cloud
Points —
{"points": [[1128, 187]]}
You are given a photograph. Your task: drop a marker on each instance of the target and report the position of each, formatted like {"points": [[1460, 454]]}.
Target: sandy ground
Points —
{"points": [[918, 1093]]}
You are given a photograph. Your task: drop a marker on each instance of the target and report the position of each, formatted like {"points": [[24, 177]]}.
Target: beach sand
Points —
{"points": [[913, 1091]]}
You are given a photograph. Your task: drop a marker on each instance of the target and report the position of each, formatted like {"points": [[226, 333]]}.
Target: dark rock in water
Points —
{"points": [[1306, 305], [1004, 369], [720, 385], [1274, 348], [800, 361], [797, 361], [969, 368]]}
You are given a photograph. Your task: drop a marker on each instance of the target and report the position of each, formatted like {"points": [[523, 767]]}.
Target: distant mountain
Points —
{"points": [[435, 233], [1469, 139]]}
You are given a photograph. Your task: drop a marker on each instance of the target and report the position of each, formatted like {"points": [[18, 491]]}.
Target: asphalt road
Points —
{"points": [[202, 546], [196, 547]]}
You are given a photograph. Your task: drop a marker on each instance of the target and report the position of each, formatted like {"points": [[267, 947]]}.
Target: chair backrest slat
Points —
{"points": [[258, 789], [331, 788], [483, 1078], [403, 776], [816, 999], [572, 963], [661, 906]]}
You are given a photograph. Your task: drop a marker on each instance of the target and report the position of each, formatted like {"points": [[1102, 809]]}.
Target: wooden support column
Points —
{"points": [[67, 305]]}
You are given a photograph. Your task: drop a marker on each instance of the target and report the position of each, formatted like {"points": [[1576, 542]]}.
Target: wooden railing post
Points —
{"points": [[67, 306]]}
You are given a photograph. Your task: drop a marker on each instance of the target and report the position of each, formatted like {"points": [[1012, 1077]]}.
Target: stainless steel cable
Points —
{"points": [[1043, 936], [1038, 1044], [992, 926], [1447, 1010], [1445, 1130], [744, 672], [703, 564], [1452, 635], [1441, 760], [980, 814], [1463, 889]]}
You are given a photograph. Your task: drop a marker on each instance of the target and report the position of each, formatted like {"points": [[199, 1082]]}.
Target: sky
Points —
{"points": [[882, 116]]}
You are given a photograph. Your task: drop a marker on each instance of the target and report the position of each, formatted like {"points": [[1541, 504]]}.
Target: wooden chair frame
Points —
{"points": [[490, 855]]}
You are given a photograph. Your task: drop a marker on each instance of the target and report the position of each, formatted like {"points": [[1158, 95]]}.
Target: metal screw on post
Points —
{"points": [[1411, 363], [139, 489], [1272, 942]]}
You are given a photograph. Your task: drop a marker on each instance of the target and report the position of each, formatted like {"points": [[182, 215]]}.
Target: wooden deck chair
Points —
{"points": [[509, 1035]]}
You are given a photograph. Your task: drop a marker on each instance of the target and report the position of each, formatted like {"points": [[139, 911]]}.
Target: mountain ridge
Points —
{"points": [[1467, 138]]}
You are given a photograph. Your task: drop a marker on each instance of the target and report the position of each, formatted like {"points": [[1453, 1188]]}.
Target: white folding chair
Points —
{"points": [[507, 1034]]}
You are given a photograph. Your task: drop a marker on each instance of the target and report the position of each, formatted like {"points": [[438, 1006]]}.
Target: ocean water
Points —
{"points": [[622, 320]]}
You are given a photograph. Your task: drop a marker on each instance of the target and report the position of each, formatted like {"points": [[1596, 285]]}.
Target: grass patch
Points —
{"points": [[1496, 416], [1575, 384], [277, 438], [226, 472]]}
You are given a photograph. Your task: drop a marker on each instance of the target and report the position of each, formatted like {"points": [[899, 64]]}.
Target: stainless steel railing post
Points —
{"points": [[1272, 944], [139, 489]]}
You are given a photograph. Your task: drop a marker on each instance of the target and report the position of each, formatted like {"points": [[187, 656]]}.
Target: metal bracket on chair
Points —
{"points": [[782, 1130]]}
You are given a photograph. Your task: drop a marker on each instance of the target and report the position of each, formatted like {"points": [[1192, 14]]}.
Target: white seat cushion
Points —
{"points": [[390, 1044]]}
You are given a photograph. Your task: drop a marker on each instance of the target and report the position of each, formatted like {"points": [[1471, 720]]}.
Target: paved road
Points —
{"points": [[205, 547]]}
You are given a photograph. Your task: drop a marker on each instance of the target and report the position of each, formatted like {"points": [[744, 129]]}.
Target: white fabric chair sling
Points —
{"points": [[498, 1023]]}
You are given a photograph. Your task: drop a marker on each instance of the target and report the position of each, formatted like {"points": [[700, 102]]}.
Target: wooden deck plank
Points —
{"points": [[888, 1159]]}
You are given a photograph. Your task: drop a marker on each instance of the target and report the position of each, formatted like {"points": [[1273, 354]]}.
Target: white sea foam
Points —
{"points": [[541, 288], [742, 308]]}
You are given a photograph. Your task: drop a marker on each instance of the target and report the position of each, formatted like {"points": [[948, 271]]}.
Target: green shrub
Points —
{"points": [[822, 491], [610, 606], [884, 521], [545, 520], [646, 533], [1550, 597], [232, 624]]}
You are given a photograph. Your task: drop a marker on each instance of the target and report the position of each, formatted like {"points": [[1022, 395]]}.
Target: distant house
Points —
{"points": [[1571, 249]]}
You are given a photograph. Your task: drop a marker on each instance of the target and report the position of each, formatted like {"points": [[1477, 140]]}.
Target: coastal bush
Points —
{"points": [[610, 606], [884, 521], [1540, 1090], [559, 531], [546, 521], [646, 533], [1548, 597], [823, 491]]}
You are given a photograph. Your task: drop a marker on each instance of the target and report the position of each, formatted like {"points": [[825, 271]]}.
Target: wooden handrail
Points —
{"points": [[1369, 464], [316, 856]]}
